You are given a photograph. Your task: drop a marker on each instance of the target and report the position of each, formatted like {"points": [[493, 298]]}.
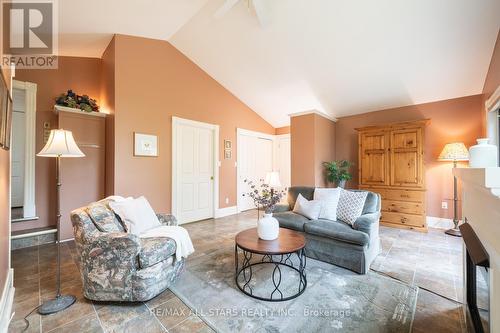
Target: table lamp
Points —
{"points": [[60, 144], [455, 151]]}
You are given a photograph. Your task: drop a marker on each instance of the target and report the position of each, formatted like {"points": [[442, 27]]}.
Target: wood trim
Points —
{"points": [[29, 204], [399, 125]]}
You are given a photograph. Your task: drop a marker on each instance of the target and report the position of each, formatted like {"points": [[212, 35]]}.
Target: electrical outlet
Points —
{"points": [[227, 200], [444, 205]]}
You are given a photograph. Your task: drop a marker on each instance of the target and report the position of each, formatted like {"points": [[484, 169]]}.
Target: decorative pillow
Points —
{"points": [[309, 209], [103, 217], [329, 198], [137, 214], [351, 205]]}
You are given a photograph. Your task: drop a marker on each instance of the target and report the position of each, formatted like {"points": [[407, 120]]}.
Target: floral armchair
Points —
{"points": [[118, 266]]}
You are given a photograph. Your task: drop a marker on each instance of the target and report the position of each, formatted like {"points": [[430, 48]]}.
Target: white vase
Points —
{"points": [[483, 155], [268, 228]]}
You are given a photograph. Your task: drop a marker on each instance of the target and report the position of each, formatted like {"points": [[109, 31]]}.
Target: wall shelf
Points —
{"points": [[59, 108]]}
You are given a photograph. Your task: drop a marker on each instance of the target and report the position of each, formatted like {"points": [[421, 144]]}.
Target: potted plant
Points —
{"points": [[337, 172], [263, 195]]}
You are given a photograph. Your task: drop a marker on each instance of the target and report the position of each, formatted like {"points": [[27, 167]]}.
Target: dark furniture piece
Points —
{"points": [[336, 242], [278, 252]]}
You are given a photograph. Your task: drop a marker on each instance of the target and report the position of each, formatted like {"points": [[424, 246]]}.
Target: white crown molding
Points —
{"points": [[303, 113]]}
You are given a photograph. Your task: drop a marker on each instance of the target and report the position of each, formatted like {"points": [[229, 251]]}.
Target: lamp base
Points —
{"points": [[453, 232], [57, 304]]}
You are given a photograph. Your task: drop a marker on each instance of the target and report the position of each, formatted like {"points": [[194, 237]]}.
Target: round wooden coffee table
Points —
{"points": [[278, 252]]}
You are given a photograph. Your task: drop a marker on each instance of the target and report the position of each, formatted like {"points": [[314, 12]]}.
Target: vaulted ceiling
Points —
{"points": [[339, 57]]}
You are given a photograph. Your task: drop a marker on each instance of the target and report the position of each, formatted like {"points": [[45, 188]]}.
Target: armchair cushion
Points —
{"points": [[154, 250], [337, 230], [104, 218]]}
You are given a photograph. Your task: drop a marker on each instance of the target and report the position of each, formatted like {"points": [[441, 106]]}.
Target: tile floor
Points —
{"points": [[432, 260]]}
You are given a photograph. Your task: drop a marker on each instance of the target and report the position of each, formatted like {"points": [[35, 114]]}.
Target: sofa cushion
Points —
{"points": [[337, 230], [103, 217], [154, 250], [294, 191], [290, 220], [308, 208], [329, 198], [351, 205]]}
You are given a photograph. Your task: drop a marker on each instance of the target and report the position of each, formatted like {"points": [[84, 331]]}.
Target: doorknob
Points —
{"points": [[211, 177]]}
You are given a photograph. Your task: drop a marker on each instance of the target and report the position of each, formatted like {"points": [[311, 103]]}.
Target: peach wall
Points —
{"points": [[312, 143], [83, 179], [153, 82], [108, 105], [4, 204], [324, 147], [302, 150], [83, 76], [282, 130], [458, 119]]}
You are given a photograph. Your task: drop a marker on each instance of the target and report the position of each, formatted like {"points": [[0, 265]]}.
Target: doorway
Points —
{"points": [[255, 159], [195, 174], [23, 151]]}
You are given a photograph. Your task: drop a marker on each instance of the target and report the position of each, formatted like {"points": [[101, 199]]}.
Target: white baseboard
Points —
{"points": [[439, 222], [222, 212], [6, 301]]}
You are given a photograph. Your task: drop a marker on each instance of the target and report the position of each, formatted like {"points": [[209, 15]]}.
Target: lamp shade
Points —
{"points": [[273, 179], [455, 151], [61, 144]]}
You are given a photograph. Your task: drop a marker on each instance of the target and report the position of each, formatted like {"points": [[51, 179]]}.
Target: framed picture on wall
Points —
{"points": [[145, 145], [227, 154], [227, 144]]}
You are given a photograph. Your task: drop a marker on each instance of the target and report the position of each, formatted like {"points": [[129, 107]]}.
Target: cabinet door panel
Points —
{"points": [[406, 158], [374, 158]]}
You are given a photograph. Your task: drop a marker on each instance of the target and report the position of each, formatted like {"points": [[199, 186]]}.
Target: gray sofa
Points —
{"points": [[336, 242]]}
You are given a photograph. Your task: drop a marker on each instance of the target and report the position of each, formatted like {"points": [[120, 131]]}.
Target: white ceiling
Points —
{"points": [[336, 56], [86, 27]]}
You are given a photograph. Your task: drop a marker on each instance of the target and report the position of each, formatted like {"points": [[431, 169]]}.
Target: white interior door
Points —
{"points": [[195, 173], [284, 160], [18, 148], [255, 159]]}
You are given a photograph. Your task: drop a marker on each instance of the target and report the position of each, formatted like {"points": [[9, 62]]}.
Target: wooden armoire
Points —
{"points": [[391, 162]]}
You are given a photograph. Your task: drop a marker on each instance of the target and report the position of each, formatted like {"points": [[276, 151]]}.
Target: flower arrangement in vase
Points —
{"points": [[82, 102], [263, 195]]}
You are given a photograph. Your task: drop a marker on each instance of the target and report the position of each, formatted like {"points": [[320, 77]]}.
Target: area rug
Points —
{"points": [[335, 300]]}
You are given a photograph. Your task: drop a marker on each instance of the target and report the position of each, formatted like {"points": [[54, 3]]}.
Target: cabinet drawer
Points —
{"points": [[397, 194], [403, 219], [402, 207]]}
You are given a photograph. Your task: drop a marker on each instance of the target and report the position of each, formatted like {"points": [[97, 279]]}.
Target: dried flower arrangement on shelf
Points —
{"points": [[82, 102]]}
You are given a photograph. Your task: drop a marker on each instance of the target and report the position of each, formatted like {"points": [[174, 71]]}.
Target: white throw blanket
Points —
{"points": [[178, 234]]}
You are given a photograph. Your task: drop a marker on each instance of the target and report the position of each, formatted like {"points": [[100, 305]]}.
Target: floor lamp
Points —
{"points": [[454, 152], [60, 144]]}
